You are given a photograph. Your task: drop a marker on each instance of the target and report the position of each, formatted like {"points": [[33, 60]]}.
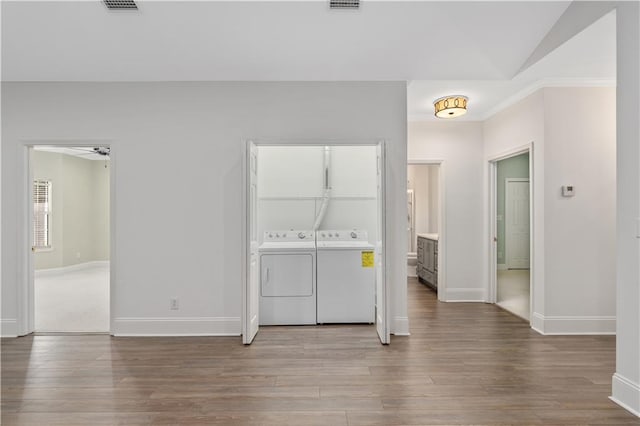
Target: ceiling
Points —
{"points": [[474, 48], [84, 152]]}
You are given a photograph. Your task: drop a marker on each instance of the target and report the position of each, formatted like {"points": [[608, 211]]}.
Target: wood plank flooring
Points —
{"points": [[464, 363]]}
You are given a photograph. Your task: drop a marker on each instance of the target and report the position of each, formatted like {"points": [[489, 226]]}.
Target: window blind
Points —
{"points": [[41, 214]]}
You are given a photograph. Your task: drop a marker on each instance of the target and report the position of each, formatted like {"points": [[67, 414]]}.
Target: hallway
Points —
{"points": [[464, 363]]}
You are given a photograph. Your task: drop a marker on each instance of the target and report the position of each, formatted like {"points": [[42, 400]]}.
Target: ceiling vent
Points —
{"points": [[344, 4], [121, 4]]}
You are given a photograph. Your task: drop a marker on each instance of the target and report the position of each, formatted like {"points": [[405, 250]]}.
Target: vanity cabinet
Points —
{"points": [[427, 268]]}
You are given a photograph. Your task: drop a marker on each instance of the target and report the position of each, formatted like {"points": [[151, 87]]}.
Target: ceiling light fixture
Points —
{"points": [[451, 106]]}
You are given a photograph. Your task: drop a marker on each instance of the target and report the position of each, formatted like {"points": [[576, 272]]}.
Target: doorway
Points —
{"points": [[69, 262], [513, 234], [311, 189], [425, 221]]}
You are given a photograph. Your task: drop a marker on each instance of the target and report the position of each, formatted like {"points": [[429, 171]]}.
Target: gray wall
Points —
{"points": [[515, 167], [80, 209], [177, 158]]}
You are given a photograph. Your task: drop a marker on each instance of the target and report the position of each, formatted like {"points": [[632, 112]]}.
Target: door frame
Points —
{"points": [[492, 223], [245, 232], [442, 221], [26, 293], [506, 181]]}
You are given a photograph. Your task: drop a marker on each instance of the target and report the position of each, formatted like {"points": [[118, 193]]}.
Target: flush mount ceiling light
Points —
{"points": [[451, 106]]}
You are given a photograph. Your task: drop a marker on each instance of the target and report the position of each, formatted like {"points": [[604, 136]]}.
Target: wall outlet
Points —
{"points": [[174, 305], [78, 255]]}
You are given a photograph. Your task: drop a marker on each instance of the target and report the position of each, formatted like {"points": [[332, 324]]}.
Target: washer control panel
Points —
{"points": [[342, 235]]}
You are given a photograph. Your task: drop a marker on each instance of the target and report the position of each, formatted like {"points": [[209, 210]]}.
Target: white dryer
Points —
{"points": [[346, 278], [288, 278]]}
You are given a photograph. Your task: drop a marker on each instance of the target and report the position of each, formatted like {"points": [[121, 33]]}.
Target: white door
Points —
{"points": [[252, 286], [382, 325], [517, 223]]}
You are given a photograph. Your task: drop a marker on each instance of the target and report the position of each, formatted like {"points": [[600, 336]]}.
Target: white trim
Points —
{"points": [[520, 95], [70, 268], [401, 326], [625, 393], [569, 325], [9, 328], [186, 326], [541, 84], [464, 294]]}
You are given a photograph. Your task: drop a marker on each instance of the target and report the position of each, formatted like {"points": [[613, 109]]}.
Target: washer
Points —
{"points": [[346, 278], [288, 278]]}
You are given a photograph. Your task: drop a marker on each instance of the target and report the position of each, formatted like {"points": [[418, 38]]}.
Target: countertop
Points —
{"points": [[429, 236]]}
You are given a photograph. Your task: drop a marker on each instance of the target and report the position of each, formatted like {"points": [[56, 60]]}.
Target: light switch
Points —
{"points": [[568, 190]]}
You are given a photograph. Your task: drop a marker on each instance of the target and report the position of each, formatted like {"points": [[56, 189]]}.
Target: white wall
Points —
{"points": [[511, 129], [80, 209], [574, 245], [460, 147], [626, 380], [177, 160], [580, 150], [290, 188]]}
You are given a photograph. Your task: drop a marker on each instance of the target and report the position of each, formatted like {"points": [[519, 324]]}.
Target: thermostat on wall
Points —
{"points": [[568, 191]]}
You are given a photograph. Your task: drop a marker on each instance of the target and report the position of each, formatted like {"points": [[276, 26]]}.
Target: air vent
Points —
{"points": [[120, 4], [344, 4]]}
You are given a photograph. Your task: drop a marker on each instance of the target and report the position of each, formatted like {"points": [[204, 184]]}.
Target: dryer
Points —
{"points": [[288, 278], [346, 278]]}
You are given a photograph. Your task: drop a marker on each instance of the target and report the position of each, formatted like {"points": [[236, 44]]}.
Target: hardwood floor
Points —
{"points": [[464, 363]]}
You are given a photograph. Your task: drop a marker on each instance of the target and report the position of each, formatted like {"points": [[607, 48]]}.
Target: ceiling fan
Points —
{"points": [[96, 150]]}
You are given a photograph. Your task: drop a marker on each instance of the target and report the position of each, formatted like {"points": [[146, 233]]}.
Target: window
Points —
{"points": [[41, 214]]}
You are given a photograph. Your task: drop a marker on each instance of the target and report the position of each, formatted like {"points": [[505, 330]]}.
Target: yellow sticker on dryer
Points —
{"points": [[367, 259]]}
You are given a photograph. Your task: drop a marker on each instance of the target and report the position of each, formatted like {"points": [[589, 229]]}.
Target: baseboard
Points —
{"points": [[564, 325], [191, 326], [465, 295], [9, 328], [70, 268], [502, 267], [401, 326], [626, 394]]}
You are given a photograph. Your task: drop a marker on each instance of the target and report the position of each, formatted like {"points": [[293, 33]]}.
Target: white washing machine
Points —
{"points": [[346, 277], [288, 278]]}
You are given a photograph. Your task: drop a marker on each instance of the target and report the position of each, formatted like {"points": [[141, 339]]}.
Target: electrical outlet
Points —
{"points": [[78, 255], [174, 305]]}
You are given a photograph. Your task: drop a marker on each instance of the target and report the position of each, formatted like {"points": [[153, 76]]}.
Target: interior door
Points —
{"points": [[382, 325], [517, 224], [252, 286]]}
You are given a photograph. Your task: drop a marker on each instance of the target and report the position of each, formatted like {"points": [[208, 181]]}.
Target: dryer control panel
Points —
{"points": [[288, 236]]}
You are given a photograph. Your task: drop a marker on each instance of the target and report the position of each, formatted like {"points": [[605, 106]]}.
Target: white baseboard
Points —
{"points": [[9, 328], [465, 295], [563, 325], [191, 326], [70, 268], [625, 393], [502, 267], [401, 326]]}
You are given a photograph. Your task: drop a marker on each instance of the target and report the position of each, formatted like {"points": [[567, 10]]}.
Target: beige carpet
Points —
{"points": [[73, 301]]}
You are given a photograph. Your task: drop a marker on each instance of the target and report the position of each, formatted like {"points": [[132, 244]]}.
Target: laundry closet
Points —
{"points": [[317, 220]]}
